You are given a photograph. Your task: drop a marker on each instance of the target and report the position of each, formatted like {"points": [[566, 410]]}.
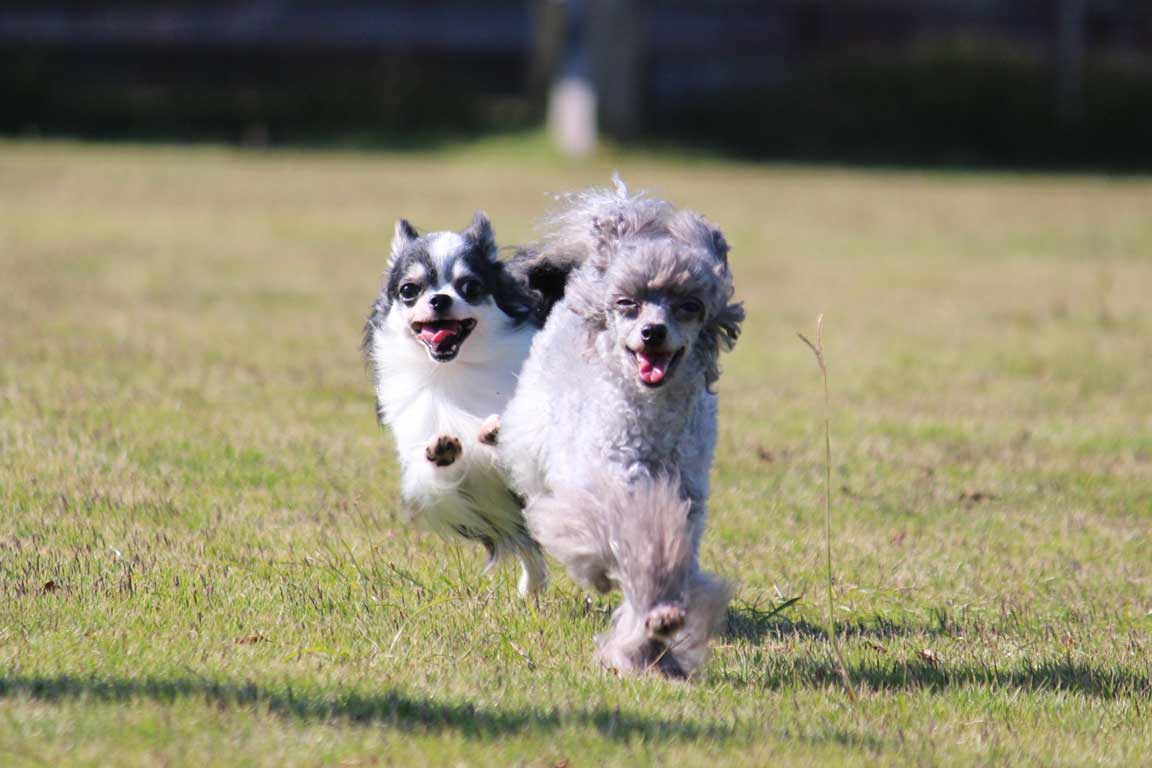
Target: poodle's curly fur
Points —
{"points": [[611, 458], [637, 538]]}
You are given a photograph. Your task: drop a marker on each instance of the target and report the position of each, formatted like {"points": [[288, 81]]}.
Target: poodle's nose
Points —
{"points": [[654, 334], [440, 302]]}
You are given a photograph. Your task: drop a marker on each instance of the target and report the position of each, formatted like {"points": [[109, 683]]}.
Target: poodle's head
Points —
{"points": [[657, 293]]}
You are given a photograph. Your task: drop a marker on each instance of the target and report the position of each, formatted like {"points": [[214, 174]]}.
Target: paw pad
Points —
{"points": [[490, 431], [664, 620], [443, 450]]}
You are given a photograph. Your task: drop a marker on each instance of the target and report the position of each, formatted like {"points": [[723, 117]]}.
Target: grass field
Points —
{"points": [[202, 560]]}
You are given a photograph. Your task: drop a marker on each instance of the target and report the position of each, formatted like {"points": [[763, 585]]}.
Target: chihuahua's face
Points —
{"points": [[447, 292]]}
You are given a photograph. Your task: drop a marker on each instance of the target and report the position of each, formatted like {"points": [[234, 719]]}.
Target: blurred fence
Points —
{"points": [[304, 26], [262, 70], [1007, 81]]}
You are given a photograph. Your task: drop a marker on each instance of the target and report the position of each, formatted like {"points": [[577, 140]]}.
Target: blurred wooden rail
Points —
{"points": [[411, 26]]}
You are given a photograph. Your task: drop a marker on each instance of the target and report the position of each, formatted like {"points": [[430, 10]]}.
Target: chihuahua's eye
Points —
{"points": [[469, 289], [627, 306], [409, 291], [691, 307]]}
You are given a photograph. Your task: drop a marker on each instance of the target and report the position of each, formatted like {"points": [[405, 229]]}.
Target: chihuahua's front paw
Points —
{"points": [[443, 450], [490, 430]]}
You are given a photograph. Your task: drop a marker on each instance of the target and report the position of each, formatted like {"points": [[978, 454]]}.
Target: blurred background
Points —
{"points": [[1009, 83]]}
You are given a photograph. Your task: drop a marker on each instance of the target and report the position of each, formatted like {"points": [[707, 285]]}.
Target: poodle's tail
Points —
{"points": [[641, 540]]}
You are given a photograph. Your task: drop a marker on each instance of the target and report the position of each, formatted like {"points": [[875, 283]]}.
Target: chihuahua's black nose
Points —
{"points": [[654, 334], [440, 302]]}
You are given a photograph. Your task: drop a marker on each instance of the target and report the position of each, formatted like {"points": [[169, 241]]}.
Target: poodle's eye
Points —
{"points": [[409, 291], [627, 306], [691, 307], [469, 289]]}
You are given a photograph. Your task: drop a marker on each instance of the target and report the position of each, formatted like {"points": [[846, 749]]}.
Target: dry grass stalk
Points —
{"points": [[818, 350]]}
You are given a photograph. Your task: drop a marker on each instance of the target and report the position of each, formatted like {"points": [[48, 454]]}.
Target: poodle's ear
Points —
{"points": [[719, 246], [728, 321], [404, 234], [480, 230], [692, 228], [719, 335]]}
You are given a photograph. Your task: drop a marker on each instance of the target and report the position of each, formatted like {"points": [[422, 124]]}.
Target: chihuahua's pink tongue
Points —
{"points": [[440, 332], [652, 367]]}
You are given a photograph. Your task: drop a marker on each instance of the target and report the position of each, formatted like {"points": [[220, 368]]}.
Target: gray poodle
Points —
{"points": [[610, 434]]}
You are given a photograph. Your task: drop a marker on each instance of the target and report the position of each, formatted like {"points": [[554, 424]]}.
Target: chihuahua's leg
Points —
{"points": [[533, 572], [490, 430], [443, 450]]}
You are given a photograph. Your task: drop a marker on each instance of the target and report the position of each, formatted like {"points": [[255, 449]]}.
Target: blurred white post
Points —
{"points": [[572, 120], [1070, 61], [572, 115]]}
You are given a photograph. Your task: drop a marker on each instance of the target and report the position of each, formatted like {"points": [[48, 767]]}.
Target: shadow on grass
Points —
{"points": [[1052, 676], [389, 708], [892, 673], [751, 624]]}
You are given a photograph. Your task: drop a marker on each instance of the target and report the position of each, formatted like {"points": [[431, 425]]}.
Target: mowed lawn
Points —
{"points": [[203, 561]]}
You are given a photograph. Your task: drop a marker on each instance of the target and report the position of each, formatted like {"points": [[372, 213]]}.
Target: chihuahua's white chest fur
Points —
{"points": [[445, 342], [422, 400]]}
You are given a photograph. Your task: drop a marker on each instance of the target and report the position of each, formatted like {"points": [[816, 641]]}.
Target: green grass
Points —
{"points": [[202, 560]]}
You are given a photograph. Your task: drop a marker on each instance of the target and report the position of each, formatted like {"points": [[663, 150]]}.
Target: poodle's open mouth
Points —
{"points": [[654, 367], [443, 338]]}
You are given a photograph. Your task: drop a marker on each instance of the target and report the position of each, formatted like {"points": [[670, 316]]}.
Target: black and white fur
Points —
{"points": [[610, 435], [445, 341]]}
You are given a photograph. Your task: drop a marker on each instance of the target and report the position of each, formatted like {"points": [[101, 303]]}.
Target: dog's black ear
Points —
{"points": [[480, 231], [404, 234]]}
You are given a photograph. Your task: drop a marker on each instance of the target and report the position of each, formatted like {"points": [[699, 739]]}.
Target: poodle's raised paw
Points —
{"points": [[663, 621], [490, 430], [443, 450]]}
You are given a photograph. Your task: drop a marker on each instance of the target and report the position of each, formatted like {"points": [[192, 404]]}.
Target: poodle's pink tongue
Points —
{"points": [[653, 367], [438, 333]]}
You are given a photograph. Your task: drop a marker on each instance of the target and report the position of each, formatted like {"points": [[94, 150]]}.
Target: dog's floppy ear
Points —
{"points": [[719, 335], [719, 245], [692, 228], [480, 231], [404, 234]]}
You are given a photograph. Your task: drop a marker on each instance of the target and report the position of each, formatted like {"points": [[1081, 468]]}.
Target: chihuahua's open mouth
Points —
{"points": [[654, 368], [443, 338]]}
